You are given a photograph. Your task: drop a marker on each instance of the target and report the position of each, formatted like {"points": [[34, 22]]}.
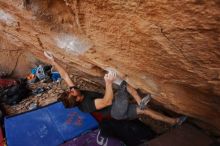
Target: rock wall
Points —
{"points": [[15, 61], [168, 48]]}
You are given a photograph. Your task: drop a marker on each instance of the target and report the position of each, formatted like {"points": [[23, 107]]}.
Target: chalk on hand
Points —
{"points": [[118, 80], [112, 73], [48, 54]]}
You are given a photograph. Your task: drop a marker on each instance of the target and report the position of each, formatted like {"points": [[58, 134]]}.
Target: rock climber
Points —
{"points": [[117, 105]]}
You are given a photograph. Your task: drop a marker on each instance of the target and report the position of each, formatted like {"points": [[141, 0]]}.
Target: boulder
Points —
{"points": [[168, 48]]}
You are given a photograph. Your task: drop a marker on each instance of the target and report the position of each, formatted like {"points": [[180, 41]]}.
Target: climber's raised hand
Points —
{"points": [[49, 55], [110, 77]]}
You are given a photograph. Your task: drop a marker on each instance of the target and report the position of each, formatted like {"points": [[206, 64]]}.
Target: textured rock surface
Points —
{"points": [[14, 61], [168, 48]]}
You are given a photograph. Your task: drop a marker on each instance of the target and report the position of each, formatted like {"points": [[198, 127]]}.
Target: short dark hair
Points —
{"points": [[68, 100]]}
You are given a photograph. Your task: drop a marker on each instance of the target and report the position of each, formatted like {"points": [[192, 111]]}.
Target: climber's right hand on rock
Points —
{"points": [[49, 55], [110, 77]]}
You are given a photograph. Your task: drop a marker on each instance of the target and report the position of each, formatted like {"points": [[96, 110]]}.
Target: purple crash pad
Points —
{"points": [[93, 139]]}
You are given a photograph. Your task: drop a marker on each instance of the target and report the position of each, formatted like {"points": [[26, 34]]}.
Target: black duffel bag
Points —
{"points": [[16, 93]]}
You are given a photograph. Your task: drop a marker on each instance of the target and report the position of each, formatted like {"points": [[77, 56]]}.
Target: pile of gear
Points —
{"points": [[44, 74], [14, 91]]}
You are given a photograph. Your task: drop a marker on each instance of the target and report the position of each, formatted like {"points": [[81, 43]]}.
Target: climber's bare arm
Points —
{"points": [[63, 74], [60, 69], [108, 97]]}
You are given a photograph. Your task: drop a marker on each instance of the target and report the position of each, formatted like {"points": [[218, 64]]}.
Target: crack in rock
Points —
{"points": [[177, 48], [40, 43]]}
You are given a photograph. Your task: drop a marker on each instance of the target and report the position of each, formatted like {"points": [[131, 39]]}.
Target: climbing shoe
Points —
{"points": [[181, 120], [144, 102]]}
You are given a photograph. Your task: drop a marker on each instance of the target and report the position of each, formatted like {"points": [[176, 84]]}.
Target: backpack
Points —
{"points": [[5, 83], [15, 94]]}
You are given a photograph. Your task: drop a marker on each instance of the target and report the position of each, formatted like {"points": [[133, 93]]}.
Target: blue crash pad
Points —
{"points": [[48, 126]]}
